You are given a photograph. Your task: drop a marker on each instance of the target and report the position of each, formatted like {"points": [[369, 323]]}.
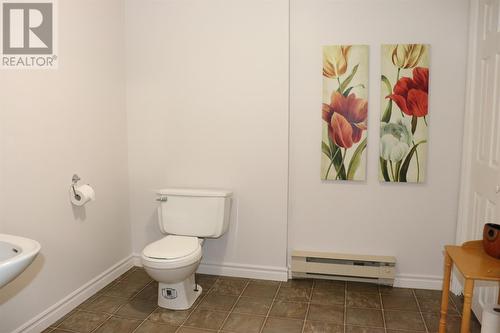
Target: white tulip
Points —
{"points": [[395, 140]]}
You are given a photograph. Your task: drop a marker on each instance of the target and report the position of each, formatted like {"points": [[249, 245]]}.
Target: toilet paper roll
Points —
{"points": [[490, 322], [81, 195]]}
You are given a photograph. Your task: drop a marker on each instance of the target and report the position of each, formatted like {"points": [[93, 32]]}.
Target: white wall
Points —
{"points": [[207, 100], [207, 106], [53, 124], [411, 222]]}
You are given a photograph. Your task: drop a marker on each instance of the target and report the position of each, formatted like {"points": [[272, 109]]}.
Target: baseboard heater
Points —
{"points": [[350, 267]]}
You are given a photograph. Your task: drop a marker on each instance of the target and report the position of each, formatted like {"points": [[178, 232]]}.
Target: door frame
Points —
{"points": [[467, 142], [463, 223]]}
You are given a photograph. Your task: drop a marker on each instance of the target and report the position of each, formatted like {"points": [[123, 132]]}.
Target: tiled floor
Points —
{"points": [[255, 306]]}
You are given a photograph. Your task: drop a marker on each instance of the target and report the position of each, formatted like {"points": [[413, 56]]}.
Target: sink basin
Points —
{"points": [[16, 253]]}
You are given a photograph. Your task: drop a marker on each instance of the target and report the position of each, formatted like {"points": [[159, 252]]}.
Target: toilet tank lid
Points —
{"points": [[192, 192]]}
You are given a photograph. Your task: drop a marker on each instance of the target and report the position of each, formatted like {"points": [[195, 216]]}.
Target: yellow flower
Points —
{"points": [[335, 60], [407, 55]]}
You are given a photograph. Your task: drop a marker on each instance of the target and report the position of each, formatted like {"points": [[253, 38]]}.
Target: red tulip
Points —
{"points": [[411, 95], [346, 118]]}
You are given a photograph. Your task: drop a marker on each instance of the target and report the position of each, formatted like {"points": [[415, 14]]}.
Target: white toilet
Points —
{"points": [[186, 216]]}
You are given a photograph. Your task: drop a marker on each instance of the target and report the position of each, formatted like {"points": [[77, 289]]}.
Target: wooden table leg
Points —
{"points": [[445, 293], [468, 290]]}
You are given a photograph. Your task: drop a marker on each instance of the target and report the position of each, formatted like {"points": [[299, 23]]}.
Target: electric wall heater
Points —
{"points": [[350, 267]]}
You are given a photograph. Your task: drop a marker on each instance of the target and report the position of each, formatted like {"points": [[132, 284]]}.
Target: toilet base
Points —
{"points": [[178, 296]]}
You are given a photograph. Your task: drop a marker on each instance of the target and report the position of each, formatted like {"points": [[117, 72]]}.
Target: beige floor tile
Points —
{"points": [[149, 293], [193, 330], [201, 318], [138, 276], [289, 309], [131, 300], [388, 290], [362, 287], [326, 313], [150, 327], [452, 323], [83, 322], [218, 302], [359, 329], [205, 281], [298, 284], [265, 282], [106, 304], [121, 325], [229, 286], [404, 320], [238, 323], [283, 325], [260, 290], [294, 294], [363, 300], [322, 327], [364, 317], [137, 309], [433, 304], [396, 302], [125, 289], [328, 297], [252, 305], [329, 284], [171, 317]]}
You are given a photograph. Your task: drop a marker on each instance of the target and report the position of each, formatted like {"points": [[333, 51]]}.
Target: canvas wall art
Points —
{"points": [[344, 112], [404, 117]]}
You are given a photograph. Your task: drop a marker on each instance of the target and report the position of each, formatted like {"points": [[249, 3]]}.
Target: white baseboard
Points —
{"points": [[68, 303], [247, 271], [137, 259], [419, 281], [282, 274], [237, 270]]}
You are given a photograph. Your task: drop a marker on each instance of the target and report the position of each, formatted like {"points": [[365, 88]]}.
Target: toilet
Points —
{"points": [[186, 216]]}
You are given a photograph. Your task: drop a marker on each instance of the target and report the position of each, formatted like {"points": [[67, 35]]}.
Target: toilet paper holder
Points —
{"points": [[74, 181]]}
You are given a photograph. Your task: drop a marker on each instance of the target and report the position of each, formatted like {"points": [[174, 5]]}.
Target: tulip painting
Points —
{"points": [[403, 128], [344, 112]]}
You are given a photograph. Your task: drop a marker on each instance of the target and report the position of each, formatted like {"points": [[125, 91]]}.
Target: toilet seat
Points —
{"points": [[172, 251]]}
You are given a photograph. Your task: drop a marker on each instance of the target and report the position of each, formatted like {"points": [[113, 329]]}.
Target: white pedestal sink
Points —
{"points": [[16, 253]]}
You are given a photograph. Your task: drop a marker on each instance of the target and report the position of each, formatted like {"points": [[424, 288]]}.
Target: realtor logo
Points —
{"points": [[28, 34]]}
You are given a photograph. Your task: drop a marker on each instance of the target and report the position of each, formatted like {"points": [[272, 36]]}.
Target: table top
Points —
{"points": [[473, 262]]}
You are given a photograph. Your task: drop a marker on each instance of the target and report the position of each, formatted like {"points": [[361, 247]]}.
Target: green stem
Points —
{"points": [[342, 164], [328, 170], [425, 121], [418, 163], [338, 80], [398, 168], [392, 171], [331, 163], [397, 79]]}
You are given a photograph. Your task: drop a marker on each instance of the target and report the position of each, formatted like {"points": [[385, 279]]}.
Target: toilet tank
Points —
{"points": [[194, 212]]}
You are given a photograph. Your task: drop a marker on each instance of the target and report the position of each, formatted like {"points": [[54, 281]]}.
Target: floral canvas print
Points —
{"points": [[403, 126], [344, 112]]}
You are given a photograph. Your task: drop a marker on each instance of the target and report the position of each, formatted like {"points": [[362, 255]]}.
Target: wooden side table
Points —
{"points": [[474, 264]]}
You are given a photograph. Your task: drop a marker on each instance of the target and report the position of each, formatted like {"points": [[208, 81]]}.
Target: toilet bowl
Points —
{"points": [[172, 261], [186, 216]]}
